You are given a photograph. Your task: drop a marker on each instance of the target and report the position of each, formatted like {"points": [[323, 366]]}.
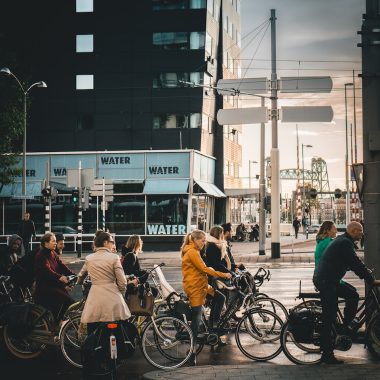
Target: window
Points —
{"points": [[167, 120], [167, 209], [171, 40], [84, 6], [85, 82], [128, 215], [197, 40], [198, 4], [85, 43], [85, 122], [172, 80]]}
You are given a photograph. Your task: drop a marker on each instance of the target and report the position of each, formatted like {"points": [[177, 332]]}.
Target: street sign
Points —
{"points": [[250, 115], [99, 187], [99, 181], [246, 85], [305, 84], [306, 114], [22, 197], [87, 177]]}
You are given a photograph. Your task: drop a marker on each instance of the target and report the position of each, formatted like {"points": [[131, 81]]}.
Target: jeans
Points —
{"points": [[218, 301], [196, 318]]}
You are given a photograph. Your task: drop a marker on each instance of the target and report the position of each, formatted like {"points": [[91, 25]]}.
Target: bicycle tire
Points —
{"points": [[71, 340], [261, 341], [167, 342], [23, 348], [373, 336], [296, 352], [273, 305]]}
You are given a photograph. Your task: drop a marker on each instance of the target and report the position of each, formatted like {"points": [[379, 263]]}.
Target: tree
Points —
{"points": [[11, 131]]}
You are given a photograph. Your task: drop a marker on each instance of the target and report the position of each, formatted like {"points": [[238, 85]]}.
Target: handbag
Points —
{"points": [[141, 304]]}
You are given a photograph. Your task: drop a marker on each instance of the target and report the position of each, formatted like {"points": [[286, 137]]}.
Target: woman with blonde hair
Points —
{"points": [[195, 281]]}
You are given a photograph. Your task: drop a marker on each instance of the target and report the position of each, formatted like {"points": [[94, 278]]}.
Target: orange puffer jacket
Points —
{"points": [[194, 273]]}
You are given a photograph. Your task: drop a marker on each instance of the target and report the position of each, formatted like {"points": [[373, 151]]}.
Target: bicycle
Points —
{"points": [[40, 332], [301, 344], [256, 327], [165, 342]]}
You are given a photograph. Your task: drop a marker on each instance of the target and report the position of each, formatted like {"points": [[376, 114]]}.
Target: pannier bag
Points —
{"points": [[301, 325]]}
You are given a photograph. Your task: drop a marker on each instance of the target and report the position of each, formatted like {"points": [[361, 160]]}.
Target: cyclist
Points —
{"points": [[338, 257], [51, 278], [195, 282]]}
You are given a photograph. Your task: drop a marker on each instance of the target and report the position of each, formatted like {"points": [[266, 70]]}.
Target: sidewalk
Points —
{"points": [[293, 251], [267, 371]]}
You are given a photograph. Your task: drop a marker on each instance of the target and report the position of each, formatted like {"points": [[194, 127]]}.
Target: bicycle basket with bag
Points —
{"points": [[301, 325], [141, 303]]}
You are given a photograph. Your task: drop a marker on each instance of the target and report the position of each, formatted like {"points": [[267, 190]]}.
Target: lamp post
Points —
{"points": [[7, 71], [347, 168], [303, 179]]}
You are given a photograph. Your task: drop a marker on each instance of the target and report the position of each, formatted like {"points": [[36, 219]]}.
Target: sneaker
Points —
{"points": [[330, 359]]}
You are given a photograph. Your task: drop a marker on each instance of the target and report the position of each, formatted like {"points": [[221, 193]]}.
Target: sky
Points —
{"points": [[314, 37]]}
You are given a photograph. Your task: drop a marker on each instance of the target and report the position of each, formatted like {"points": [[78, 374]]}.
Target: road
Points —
{"points": [[283, 285]]}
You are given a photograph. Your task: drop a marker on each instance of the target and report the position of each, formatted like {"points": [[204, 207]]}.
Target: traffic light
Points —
{"points": [[267, 203], [313, 193], [46, 192], [338, 193], [75, 196]]}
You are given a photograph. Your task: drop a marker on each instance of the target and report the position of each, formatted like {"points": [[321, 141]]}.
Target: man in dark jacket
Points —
{"points": [[338, 257], [227, 230], [27, 230]]}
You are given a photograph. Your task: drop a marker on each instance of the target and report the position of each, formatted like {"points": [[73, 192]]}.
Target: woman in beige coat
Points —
{"points": [[105, 301]]}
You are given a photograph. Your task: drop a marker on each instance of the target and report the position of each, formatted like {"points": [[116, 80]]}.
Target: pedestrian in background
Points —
{"points": [[60, 243], [27, 231], [296, 226]]}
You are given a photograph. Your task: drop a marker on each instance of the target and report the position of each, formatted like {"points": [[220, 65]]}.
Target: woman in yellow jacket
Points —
{"points": [[195, 281]]}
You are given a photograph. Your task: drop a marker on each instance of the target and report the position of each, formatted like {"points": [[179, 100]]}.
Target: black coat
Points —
{"points": [[339, 257], [131, 265], [213, 258]]}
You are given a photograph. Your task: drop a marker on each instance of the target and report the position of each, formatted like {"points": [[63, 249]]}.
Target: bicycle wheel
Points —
{"points": [[167, 342], [25, 348], [296, 352], [271, 304], [71, 338], [373, 336], [258, 334]]}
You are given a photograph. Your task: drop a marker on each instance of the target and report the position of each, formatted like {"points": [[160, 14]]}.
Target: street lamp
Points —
{"points": [[348, 217], [303, 177], [7, 71]]}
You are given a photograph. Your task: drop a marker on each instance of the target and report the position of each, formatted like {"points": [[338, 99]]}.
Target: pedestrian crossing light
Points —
{"points": [[75, 196], [313, 193], [46, 192], [338, 193]]}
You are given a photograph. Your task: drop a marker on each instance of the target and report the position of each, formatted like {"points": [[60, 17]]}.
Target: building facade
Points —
{"points": [[118, 75]]}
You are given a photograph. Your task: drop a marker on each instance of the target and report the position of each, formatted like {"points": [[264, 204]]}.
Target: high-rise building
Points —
{"points": [[117, 73]]}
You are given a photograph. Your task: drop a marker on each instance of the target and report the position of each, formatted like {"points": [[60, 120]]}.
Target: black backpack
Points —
{"points": [[302, 325]]}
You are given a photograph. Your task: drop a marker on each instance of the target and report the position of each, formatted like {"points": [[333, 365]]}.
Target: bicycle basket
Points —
{"points": [[301, 325]]}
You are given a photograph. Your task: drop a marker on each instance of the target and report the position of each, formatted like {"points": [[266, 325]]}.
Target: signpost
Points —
{"points": [[103, 188], [254, 86]]}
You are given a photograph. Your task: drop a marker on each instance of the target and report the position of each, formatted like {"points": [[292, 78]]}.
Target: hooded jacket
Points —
{"points": [[194, 273], [8, 258]]}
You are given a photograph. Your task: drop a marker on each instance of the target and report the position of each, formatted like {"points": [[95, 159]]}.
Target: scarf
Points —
{"points": [[222, 245]]}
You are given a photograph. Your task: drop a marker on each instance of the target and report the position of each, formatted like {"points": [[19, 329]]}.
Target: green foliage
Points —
{"points": [[11, 130]]}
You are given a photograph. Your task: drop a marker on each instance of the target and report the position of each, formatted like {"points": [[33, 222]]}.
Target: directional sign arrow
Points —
{"points": [[246, 85], [305, 84], [250, 115], [306, 114]]}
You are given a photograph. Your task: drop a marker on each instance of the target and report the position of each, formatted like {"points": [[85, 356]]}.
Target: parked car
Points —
{"points": [[314, 228], [66, 230]]}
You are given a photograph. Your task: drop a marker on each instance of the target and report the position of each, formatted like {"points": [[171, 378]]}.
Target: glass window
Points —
{"points": [[171, 40], [85, 82], [195, 120], [197, 4], [159, 5], [196, 78], [197, 40], [170, 121], [84, 6], [85, 43], [169, 80], [127, 215], [167, 214]]}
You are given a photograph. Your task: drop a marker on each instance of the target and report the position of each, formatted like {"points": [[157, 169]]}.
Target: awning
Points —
{"points": [[166, 186], [14, 190], [210, 189]]}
